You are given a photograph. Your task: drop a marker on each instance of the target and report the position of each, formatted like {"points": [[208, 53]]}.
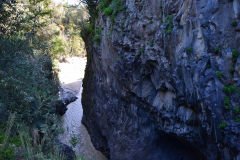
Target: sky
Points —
{"points": [[71, 2]]}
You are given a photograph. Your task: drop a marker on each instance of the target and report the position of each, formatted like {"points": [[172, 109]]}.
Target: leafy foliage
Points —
{"points": [[235, 55], [222, 125], [226, 101], [9, 17], [111, 8], [97, 36], [33, 34], [218, 74], [27, 83], [230, 89], [236, 110]]}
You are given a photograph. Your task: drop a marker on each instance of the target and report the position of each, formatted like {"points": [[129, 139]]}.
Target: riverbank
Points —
{"points": [[75, 134]]}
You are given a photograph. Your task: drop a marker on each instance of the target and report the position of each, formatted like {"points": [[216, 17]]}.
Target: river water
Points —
{"points": [[75, 134]]}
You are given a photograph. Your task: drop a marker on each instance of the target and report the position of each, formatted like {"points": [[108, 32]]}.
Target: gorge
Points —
{"points": [[161, 80]]}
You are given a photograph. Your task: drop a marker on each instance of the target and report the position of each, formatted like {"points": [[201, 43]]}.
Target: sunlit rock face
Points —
{"points": [[163, 83]]}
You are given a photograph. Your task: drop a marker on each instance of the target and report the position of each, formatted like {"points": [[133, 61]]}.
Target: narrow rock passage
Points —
{"points": [[75, 134]]}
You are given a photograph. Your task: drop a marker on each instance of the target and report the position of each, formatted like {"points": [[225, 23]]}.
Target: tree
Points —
{"points": [[38, 13], [9, 17]]}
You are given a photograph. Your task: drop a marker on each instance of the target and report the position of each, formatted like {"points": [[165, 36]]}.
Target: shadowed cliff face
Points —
{"points": [[164, 81]]}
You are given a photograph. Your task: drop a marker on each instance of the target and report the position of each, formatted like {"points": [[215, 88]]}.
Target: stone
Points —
{"points": [[163, 98], [61, 105]]}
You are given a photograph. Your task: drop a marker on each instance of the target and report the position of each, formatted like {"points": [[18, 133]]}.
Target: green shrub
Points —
{"points": [[227, 101], [97, 36], [237, 119], [141, 51], [8, 141], [169, 31], [97, 39], [234, 23], [222, 125], [151, 43], [74, 140], [189, 50], [7, 153], [217, 50], [115, 7], [102, 5], [108, 11], [230, 89], [236, 110], [87, 31], [168, 17], [218, 74], [226, 107], [58, 47], [27, 83], [235, 55], [168, 21]]}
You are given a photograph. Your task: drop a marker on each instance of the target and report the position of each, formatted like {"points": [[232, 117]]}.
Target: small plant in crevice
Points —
{"points": [[234, 55], [108, 11], [236, 110], [232, 70], [141, 51], [234, 23], [80, 158], [116, 59], [217, 50], [102, 5], [87, 30], [227, 101], [237, 119], [189, 50], [219, 74], [123, 24], [97, 39], [6, 148], [97, 36], [227, 107], [169, 22], [74, 140], [151, 43], [230, 89], [169, 31], [112, 9], [151, 21], [222, 125], [208, 65]]}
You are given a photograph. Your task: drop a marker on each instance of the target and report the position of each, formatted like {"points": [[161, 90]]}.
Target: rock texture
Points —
{"points": [[61, 105], [163, 83]]}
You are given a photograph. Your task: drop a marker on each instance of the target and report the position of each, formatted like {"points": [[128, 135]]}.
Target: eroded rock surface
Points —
{"points": [[164, 81]]}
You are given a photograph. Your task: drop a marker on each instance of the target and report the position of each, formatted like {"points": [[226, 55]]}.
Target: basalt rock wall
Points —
{"points": [[163, 81]]}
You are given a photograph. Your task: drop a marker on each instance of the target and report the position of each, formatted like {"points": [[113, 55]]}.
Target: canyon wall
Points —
{"points": [[163, 81]]}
